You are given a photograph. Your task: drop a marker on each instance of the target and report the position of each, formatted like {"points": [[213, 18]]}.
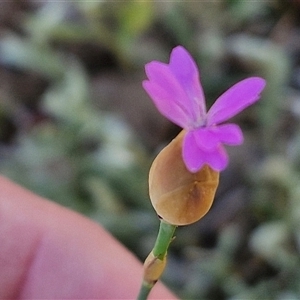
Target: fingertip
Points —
{"points": [[48, 251]]}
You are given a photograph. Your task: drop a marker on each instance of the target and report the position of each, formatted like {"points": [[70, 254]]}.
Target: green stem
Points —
{"points": [[144, 291], [163, 240]]}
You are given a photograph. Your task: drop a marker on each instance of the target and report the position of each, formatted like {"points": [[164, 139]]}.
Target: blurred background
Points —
{"points": [[77, 128]]}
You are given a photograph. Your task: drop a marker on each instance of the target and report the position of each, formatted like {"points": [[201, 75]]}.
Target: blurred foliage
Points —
{"points": [[75, 127]]}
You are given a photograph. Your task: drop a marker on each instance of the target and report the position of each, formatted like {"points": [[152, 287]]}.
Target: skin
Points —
{"points": [[50, 252]]}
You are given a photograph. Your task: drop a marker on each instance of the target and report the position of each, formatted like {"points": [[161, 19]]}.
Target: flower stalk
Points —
{"points": [[184, 176], [156, 261]]}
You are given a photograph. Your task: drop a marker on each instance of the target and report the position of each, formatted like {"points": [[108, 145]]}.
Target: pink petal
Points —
{"points": [[195, 157], [208, 138], [191, 153], [186, 71], [167, 94], [235, 99], [230, 134], [164, 103], [217, 159]]}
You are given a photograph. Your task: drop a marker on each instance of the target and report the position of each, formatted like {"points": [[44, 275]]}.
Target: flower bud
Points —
{"points": [[153, 268], [179, 196]]}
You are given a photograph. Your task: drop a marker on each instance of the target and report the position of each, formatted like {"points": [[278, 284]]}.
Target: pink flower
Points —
{"points": [[176, 91]]}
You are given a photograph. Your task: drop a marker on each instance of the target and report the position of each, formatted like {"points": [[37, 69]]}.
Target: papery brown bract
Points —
{"points": [[178, 196], [153, 268]]}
